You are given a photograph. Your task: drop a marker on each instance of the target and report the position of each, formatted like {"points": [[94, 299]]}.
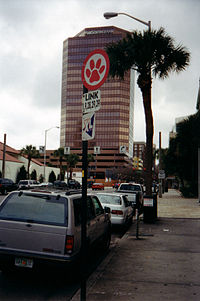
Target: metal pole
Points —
{"points": [[84, 216], [45, 142], [4, 157], [199, 174], [137, 224], [160, 167]]}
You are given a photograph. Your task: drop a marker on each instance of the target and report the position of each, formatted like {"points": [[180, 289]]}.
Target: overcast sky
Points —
{"points": [[31, 39]]}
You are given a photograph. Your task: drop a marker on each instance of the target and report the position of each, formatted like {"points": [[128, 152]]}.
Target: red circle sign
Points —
{"points": [[95, 69]]}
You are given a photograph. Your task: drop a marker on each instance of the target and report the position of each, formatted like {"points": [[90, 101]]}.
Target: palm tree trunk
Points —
{"points": [[60, 175], [145, 87], [28, 168]]}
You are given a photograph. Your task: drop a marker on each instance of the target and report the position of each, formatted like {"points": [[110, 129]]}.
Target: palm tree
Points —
{"points": [[72, 160], [60, 153], [30, 152], [149, 53]]}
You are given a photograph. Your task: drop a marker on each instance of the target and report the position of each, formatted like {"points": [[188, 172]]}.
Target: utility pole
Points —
{"points": [[160, 167], [4, 157]]}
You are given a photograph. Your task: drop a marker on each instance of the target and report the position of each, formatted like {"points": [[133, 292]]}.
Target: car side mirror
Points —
{"points": [[107, 210]]}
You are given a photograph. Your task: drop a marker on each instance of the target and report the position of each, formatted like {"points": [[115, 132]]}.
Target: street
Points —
{"points": [[48, 286]]}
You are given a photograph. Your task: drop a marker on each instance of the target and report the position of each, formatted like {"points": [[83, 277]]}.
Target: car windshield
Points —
{"points": [[110, 199], [35, 208], [131, 187]]}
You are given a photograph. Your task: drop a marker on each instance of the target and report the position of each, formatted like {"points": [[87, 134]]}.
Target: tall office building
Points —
{"points": [[114, 121]]}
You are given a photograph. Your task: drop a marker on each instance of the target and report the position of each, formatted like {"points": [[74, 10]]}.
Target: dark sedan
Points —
{"points": [[7, 185]]}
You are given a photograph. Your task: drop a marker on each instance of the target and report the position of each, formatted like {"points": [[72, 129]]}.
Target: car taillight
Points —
{"points": [[118, 212], [69, 244]]}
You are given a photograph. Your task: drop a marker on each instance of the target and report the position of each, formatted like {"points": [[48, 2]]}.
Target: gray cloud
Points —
{"points": [[31, 36]]}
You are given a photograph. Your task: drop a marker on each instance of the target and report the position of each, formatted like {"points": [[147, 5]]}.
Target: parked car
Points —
{"points": [[97, 186], [60, 184], [136, 189], [40, 229], [89, 183], [7, 185], [27, 184], [121, 210], [73, 184], [46, 184]]}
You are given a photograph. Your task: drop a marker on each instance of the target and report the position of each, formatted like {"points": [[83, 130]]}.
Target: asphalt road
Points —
{"points": [[51, 285]]}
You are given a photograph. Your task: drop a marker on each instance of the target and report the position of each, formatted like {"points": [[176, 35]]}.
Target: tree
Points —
{"points": [[149, 53], [21, 175], [181, 159], [60, 153], [72, 160], [30, 152], [34, 175], [52, 177]]}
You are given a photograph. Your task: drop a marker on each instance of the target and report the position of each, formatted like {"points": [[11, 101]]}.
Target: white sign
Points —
{"points": [[95, 69], [148, 202], [88, 126], [122, 149], [67, 150], [91, 101], [161, 174], [96, 150], [41, 149]]}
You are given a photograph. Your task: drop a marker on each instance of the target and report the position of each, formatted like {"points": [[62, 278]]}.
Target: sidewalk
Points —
{"points": [[163, 264]]}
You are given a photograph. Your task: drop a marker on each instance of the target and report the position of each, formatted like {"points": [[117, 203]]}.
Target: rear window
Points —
{"points": [[130, 187], [110, 199], [36, 208]]}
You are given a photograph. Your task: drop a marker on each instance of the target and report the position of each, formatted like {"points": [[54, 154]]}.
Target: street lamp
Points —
{"points": [[109, 15], [45, 143]]}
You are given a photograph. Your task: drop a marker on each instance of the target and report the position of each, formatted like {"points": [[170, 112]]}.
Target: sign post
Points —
{"points": [[94, 73]]}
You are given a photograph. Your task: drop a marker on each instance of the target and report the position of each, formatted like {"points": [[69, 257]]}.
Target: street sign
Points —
{"points": [[67, 150], [161, 174], [41, 149], [122, 149], [91, 101], [95, 69], [96, 150], [88, 126], [148, 202]]}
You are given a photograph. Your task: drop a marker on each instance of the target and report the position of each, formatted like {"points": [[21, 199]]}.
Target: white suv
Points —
{"points": [[27, 184]]}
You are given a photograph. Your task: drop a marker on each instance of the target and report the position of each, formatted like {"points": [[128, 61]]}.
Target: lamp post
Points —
{"points": [[109, 15], [45, 143]]}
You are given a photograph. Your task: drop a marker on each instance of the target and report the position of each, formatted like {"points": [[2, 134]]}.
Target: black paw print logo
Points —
{"points": [[95, 70]]}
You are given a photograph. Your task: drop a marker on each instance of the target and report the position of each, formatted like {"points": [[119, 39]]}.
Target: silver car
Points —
{"points": [[121, 210], [39, 228]]}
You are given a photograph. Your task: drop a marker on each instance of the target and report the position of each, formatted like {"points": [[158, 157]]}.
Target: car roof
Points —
{"points": [[111, 193], [67, 194]]}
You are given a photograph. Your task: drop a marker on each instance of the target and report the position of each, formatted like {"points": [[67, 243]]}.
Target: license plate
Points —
{"points": [[24, 262]]}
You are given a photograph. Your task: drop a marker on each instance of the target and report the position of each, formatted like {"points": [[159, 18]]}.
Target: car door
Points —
{"points": [[100, 223], [91, 221]]}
